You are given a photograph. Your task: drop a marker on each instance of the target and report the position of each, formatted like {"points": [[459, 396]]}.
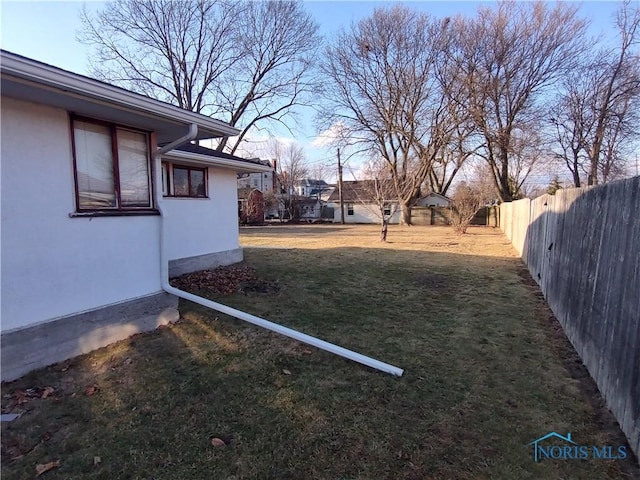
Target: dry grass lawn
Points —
{"points": [[486, 372]]}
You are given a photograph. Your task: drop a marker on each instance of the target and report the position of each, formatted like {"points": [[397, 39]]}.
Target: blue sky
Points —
{"points": [[46, 31]]}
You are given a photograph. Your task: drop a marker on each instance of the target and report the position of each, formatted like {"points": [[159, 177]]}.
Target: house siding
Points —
{"points": [[54, 266], [433, 201], [197, 226], [361, 214]]}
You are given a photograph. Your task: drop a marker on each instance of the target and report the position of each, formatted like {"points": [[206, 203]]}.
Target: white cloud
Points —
{"points": [[334, 135]]}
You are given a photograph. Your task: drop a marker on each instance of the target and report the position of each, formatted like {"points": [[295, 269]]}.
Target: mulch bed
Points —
{"points": [[225, 281]]}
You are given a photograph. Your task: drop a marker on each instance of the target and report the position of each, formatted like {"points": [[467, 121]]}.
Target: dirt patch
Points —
{"points": [[572, 362], [225, 281]]}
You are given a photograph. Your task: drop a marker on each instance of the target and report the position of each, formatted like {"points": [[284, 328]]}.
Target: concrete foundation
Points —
{"points": [[204, 262], [35, 347]]}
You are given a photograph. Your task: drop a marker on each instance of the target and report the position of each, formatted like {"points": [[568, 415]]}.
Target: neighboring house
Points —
{"points": [[310, 208], [360, 205], [83, 187], [311, 188], [434, 200], [264, 181]]}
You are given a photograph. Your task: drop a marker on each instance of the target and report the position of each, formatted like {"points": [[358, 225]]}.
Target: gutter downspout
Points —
{"points": [[247, 317]]}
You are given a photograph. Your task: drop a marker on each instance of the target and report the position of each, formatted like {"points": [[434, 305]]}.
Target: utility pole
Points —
{"points": [[340, 189]]}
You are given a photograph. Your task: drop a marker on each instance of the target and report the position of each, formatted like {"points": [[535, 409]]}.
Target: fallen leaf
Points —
{"points": [[306, 351], [92, 390], [21, 397], [42, 468], [286, 372], [96, 460], [47, 391], [217, 442], [128, 361]]}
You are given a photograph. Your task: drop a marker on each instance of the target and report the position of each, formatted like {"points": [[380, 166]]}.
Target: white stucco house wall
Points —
{"points": [[83, 189]]}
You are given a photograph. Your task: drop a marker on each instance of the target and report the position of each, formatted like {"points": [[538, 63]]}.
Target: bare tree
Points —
{"points": [[596, 114], [617, 86], [253, 207], [377, 194], [468, 199], [247, 62], [461, 141], [290, 169], [506, 58], [571, 123], [278, 43], [384, 93], [619, 140]]}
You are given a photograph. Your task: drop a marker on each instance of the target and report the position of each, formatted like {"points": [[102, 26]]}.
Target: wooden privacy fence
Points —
{"points": [[582, 246]]}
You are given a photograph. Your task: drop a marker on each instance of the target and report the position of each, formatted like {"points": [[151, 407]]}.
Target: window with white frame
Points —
{"points": [[184, 181], [112, 167], [349, 208]]}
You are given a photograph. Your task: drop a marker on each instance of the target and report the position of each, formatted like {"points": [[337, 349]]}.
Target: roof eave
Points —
{"points": [[31, 70], [211, 161]]}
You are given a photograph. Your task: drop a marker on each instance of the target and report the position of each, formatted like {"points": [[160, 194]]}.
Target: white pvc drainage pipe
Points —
{"points": [[247, 317]]}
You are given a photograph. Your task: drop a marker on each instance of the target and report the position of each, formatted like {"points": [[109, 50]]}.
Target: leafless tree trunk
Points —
{"points": [[377, 194], [247, 62]]}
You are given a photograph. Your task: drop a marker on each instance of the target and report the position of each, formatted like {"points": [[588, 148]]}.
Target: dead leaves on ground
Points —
{"points": [[217, 442], [91, 390], [222, 440], [225, 281], [23, 396], [43, 468]]}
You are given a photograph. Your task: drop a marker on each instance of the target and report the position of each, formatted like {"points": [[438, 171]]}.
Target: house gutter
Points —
{"points": [[247, 317]]}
